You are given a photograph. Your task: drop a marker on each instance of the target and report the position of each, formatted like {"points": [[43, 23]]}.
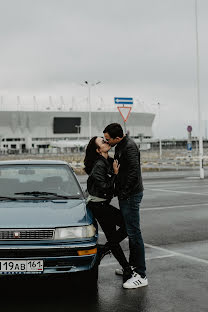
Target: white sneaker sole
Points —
{"points": [[135, 285]]}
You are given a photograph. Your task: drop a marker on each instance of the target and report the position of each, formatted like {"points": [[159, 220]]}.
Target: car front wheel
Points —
{"points": [[88, 279]]}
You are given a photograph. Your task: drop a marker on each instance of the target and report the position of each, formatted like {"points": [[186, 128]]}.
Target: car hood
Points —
{"points": [[43, 214]]}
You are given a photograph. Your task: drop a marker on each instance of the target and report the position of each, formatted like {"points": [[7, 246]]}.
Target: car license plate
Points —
{"points": [[21, 266]]}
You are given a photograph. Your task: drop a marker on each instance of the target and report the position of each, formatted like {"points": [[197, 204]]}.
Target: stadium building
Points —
{"points": [[39, 131]]}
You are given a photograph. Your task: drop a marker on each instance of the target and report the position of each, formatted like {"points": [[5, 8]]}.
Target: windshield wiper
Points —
{"points": [[7, 197], [37, 194]]}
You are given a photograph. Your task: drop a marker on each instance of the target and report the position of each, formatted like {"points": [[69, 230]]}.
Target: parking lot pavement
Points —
{"points": [[175, 284], [191, 173], [174, 218]]}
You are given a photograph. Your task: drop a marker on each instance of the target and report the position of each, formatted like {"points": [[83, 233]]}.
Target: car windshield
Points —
{"points": [[38, 180]]}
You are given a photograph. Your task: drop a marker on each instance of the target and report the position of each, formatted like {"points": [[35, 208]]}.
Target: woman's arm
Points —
{"points": [[101, 177]]}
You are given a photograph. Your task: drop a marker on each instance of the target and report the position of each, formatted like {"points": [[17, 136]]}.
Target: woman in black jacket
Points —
{"points": [[102, 171]]}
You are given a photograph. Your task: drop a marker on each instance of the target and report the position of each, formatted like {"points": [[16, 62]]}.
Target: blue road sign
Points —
{"points": [[189, 146], [123, 101]]}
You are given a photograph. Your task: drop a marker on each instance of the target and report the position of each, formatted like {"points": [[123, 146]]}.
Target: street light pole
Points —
{"points": [[159, 128], [159, 131], [89, 104], [78, 136], [198, 97], [90, 113], [78, 131]]}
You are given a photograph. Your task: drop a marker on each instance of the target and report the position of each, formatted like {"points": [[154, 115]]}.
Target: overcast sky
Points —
{"points": [[140, 48]]}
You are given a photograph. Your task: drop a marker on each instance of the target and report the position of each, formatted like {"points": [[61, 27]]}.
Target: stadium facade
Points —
{"points": [[21, 131]]}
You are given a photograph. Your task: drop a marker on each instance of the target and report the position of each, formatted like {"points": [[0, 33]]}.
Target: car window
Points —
{"points": [[41, 178]]}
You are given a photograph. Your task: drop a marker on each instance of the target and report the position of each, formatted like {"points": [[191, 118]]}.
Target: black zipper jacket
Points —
{"points": [[129, 178], [101, 180]]}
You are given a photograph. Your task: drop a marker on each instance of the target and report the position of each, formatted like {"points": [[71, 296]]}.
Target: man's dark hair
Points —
{"points": [[114, 130]]}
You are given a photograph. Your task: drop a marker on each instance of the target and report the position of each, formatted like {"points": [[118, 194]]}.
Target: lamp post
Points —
{"points": [[89, 85], [35, 103], [78, 131], [2, 101], [159, 129], [198, 96], [78, 135]]}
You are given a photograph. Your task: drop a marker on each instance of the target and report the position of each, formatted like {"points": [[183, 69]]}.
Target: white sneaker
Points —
{"points": [[136, 281]]}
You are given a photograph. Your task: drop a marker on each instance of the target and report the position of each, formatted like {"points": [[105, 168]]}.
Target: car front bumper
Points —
{"points": [[57, 258]]}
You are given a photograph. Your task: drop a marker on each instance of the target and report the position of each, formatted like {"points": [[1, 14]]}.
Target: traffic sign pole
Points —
{"points": [[189, 141], [124, 127], [124, 124], [201, 169]]}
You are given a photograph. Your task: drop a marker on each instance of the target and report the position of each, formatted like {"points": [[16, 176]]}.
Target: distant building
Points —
{"points": [[21, 131]]}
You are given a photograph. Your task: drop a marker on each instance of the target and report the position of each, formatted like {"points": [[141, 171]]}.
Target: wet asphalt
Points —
{"points": [[174, 222]]}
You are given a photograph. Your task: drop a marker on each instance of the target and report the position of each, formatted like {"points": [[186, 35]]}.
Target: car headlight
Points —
{"points": [[75, 232]]}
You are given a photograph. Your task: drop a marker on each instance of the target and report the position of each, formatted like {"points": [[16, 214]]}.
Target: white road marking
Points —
{"points": [[171, 253], [147, 258], [173, 207], [177, 253], [100, 233], [179, 182], [172, 191], [194, 178], [179, 186]]}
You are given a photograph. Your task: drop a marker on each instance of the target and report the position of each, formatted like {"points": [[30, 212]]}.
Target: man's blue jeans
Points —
{"points": [[130, 210]]}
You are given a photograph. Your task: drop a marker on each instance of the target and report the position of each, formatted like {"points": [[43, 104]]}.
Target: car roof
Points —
{"points": [[33, 162]]}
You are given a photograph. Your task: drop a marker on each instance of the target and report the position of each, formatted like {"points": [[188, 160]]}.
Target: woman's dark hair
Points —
{"points": [[91, 155]]}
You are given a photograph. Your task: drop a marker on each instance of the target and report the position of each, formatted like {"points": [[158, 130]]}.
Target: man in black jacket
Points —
{"points": [[129, 189]]}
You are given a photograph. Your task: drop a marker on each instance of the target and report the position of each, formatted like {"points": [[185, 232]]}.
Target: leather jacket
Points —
{"points": [[129, 179], [101, 180]]}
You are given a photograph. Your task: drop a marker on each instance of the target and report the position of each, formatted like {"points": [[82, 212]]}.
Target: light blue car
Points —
{"points": [[45, 227]]}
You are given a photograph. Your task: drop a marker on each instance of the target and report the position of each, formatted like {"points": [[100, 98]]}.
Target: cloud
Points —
{"points": [[145, 48]]}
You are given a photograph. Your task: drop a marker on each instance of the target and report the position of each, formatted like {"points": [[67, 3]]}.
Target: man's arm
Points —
{"points": [[132, 155]]}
